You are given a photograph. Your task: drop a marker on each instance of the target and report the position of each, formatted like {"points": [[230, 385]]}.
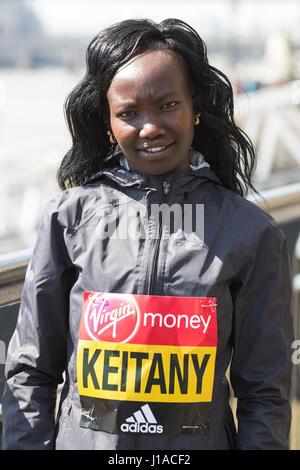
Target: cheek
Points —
{"points": [[184, 124], [122, 132]]}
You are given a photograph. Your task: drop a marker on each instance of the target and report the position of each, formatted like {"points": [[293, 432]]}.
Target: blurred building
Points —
{"points": [[39, 69], [25, 43]]}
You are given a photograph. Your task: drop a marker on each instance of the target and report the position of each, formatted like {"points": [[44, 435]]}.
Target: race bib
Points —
{"points": [[145, 364]]}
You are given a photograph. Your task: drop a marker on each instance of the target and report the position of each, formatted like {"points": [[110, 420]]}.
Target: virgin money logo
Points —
{"points": [[112, 317]]}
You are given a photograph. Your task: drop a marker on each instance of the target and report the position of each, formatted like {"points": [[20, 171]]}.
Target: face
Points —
{"points": [[151, 112]]}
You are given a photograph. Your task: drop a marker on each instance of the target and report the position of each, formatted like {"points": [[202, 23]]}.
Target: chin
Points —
{"points": [[159, 168]]}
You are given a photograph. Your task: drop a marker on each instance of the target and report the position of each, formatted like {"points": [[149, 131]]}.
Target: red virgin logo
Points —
{"points": [[112, 317]]}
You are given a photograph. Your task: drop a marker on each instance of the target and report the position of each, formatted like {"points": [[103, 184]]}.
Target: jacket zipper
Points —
{"points": [[154, 256], [155, 249]]}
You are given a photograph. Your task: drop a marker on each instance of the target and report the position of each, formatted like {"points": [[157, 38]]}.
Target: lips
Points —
{"points": [[155, 149]]}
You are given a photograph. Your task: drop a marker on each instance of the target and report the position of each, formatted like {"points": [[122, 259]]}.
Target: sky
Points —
{"points": [[88, 17], [85, 16]]}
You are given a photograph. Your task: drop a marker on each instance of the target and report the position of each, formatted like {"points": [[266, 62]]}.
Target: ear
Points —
{"points": [[196, 111], [106, 114], [196, 105], [195, 108]]}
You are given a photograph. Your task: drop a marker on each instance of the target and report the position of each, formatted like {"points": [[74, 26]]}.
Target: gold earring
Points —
{"points": [[197, 121], [111, 137]]}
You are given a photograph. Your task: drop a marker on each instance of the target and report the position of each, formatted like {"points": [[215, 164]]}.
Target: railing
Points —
{"points": [[282, 203], [12, 272]]}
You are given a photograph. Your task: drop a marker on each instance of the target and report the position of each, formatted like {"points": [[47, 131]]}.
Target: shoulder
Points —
{"points": [[73, 205], [242, 218]]}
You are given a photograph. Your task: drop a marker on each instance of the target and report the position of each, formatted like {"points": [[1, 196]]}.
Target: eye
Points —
{"points": [[169, 105], [126, 114]]}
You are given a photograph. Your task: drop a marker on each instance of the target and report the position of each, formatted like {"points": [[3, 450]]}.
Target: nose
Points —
{"points": [[151, 128]]}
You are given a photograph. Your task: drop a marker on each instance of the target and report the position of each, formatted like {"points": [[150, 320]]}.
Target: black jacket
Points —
{"points": [[240, 259]]}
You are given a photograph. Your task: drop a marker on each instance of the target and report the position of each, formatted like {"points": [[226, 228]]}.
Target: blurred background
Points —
{"points": [[42, 57], [256, 43]]}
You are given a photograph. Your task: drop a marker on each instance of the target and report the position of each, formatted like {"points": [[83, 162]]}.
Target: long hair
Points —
{"points": [[225, 146]]}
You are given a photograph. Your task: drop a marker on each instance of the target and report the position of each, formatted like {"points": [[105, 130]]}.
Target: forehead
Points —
{"points": [[150, 75]]}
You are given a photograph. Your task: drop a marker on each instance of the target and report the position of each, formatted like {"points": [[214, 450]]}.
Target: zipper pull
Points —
{"points": [[166, 186]]}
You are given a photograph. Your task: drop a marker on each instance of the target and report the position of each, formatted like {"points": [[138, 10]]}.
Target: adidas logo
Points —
{"points": [[142, 421]]}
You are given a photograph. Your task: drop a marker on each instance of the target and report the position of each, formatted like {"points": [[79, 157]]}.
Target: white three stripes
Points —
{"points": [[142, 416]]}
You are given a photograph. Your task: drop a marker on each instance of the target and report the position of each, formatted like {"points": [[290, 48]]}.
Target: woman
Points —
{"points": [[152, 273]]}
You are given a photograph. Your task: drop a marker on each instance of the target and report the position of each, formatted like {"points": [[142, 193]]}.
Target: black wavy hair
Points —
{"points": [[225, 146]]}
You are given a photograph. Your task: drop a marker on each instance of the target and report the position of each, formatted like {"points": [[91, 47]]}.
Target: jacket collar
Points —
{"points": [[198, 173], [197, 161]]}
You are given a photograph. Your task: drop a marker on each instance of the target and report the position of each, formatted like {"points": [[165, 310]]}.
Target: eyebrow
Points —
{"points": [[167, 95], [158, 98]]}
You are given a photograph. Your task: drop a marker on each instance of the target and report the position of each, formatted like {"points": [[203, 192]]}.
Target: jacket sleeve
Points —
{"points": [[36, 354], [262, 336]]}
